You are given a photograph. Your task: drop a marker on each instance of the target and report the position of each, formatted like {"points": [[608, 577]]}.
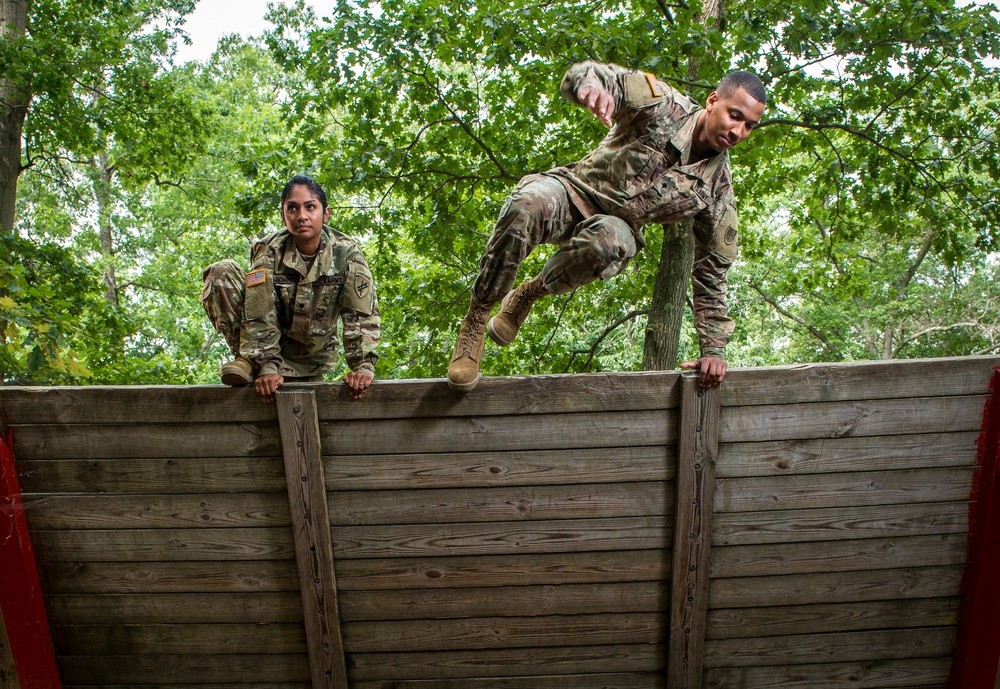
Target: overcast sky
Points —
{"points": [[213, 19]]}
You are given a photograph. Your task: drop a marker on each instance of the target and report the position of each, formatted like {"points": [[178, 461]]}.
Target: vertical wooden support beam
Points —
{"points": [[977, 656], [696, 453], [24, 621], [300, 443]]}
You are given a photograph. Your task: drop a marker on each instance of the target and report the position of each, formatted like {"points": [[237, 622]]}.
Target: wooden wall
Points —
{"points": [[517, 537]]}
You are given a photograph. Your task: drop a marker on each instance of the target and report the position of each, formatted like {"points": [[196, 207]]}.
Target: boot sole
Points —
{"points": [[234, 379], [464, 387], [495, 337]]}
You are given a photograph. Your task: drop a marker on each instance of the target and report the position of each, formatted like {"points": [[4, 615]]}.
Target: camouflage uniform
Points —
{"points": [[642, 172], [282, 314]]}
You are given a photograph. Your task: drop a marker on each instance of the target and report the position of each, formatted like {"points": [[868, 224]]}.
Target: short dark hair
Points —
{"points": [[307, 182], [740, 79]]}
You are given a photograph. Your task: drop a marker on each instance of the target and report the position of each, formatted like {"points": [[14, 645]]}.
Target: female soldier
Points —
{"points": [[280, 318]]}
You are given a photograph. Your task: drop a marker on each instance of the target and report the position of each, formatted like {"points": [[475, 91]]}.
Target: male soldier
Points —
{"points": [[664, 160], [280, 318]]}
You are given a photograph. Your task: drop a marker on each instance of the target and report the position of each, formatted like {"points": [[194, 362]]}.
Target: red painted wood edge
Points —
{"points": [[20, 590], [977, 655]]}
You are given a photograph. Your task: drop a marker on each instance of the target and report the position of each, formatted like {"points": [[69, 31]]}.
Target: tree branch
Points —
{"points": [[777, 307], [591, 352]]}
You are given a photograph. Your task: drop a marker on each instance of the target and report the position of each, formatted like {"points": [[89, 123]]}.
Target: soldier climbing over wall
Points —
{"points": [[280, 317], [665, 159]]}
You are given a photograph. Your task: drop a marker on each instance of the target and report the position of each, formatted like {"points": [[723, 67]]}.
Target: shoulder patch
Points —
{"points": [[642, 89], [256, 277]]}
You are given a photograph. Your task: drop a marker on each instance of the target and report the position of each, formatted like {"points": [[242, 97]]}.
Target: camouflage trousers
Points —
{"points": [[222, 296], [540, 211]]}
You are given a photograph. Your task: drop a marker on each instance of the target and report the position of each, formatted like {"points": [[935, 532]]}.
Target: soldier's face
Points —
{"points": [[304, 215], [728, 120]]}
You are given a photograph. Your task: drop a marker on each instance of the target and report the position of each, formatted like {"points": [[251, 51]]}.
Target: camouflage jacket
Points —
{"points": [[643, 172], [291, 309]]}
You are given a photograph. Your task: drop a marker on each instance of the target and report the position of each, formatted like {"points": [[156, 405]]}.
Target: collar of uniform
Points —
{"points": [[682, 139], [291, 258]]}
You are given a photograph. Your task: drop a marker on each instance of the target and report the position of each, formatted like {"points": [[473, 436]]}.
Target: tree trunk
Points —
{"points": [[666, 306], [102, 190], [13, 108]]}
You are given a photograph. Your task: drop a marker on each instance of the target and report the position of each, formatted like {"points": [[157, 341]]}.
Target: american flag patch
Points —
{"points": [[257, 277]]}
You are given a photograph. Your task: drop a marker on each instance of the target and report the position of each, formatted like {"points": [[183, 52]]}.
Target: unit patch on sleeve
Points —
{"points": [[642, 89]]}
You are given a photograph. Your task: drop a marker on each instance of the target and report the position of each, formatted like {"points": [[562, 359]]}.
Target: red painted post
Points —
{"points": [[977, 656], [20, 591]]}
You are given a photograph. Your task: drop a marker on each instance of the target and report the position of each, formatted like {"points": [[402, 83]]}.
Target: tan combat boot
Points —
{"points": [[236, 372], [463, 372], [514, 309]]}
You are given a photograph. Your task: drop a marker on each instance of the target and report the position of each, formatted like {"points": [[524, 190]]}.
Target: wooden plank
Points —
{"points": [[838, 556], [135, 670], [506, 601], [141, 545], [175, 608], [386, 399], [502, 504], [858, 418], [839, 523], [859, 380], [170, 577], [889, 674], [696, 455], [499, 468], [142, 440], [8, 673], [748, 623], [154, 476], [497, 433], [176, 639], [508, 538], [401, 636], [830, 455], [311, 529], [503, 570], [227, 685], [799, 589], [977, 657], [837, 647], [616, 680], [26, 635], [506, 662], [202, 510], [812, 491]]}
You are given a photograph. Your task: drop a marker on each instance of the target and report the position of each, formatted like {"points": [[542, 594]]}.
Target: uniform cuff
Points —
{"points": [[268, 368]]}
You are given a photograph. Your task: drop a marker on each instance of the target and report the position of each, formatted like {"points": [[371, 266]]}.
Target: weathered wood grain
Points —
{"points": [[519, 661], [501, 433], [502, 504], [401, 636], [8, 673], [798, 589], [858, 418], [696, 454], [889, 674], [176, 639], [837, 647], [501, 570], [506, 601], [200, 685], [153, 476], [141, 440], [205, 510], [617, 680], [142, 545], [514, 538], [952, 484], [831, 455], [137, 669], [311, 533], [840, 523], [784, 620], [860, 380], [500, 468], [169, 577], [174, 608], [838, 556]]}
